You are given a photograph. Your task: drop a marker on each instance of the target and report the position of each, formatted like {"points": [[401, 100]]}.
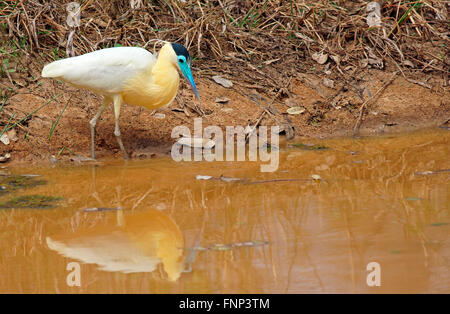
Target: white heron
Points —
{"points": [[128, 75]]}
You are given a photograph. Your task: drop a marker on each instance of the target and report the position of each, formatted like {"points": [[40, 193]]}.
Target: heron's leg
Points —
{"points": [[117, 104], [93, 122]]}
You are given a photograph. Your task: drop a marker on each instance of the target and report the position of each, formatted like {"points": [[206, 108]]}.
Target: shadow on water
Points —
{"points": [[153, 226]]}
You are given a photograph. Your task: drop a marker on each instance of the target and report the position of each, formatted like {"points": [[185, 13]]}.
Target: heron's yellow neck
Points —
{"points": [[157, 86], [164, 64]]}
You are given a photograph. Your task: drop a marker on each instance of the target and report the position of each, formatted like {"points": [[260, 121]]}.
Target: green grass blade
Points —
{"points": [[30, 114], [55, 124]]}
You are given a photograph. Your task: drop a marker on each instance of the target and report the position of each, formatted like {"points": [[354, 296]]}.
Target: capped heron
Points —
{"points": [[128, 75]]}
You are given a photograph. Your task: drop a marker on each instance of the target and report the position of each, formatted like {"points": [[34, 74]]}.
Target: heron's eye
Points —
{"points": [[182, 60]]}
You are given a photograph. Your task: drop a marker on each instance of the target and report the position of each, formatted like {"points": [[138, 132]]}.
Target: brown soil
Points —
{"points": [[320, 55], [328, 112]]}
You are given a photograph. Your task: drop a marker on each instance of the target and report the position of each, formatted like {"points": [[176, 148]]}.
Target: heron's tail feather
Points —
{"points": [[54, 69]]}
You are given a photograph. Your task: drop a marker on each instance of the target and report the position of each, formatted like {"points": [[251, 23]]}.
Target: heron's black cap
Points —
{"points": [[180, 50]]}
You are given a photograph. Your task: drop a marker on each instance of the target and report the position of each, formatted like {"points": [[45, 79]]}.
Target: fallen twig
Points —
{"points": [[363, 106]]}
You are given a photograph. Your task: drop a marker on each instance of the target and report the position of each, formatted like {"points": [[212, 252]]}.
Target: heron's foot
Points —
{"points": [[125, 155], [124, 152], [122, 148]]}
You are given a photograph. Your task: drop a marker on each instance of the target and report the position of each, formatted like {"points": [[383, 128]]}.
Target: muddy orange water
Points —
{"points": [[382, 200]]}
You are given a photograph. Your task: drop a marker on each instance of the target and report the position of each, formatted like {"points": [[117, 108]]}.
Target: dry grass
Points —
{"points": [[259, 44]]}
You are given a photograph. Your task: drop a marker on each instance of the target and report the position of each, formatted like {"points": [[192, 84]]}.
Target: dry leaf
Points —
{"points": [[336, 59], [5, 157], [408, 63], [12, 134], [271, 61], [159, 115], [328, 83], [295, 110], [228, 179], [222, 100], [374, 17], [320, 57], [100, 209], [5, 139], [378, 63], [200, 177], [222, 81], [291, 102], [304, 37]]}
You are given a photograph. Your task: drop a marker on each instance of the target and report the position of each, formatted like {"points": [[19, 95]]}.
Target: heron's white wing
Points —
{"points": [[104, 70]]}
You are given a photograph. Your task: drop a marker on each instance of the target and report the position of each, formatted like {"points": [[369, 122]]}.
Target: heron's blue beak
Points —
{"points": [[186, 70]]}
